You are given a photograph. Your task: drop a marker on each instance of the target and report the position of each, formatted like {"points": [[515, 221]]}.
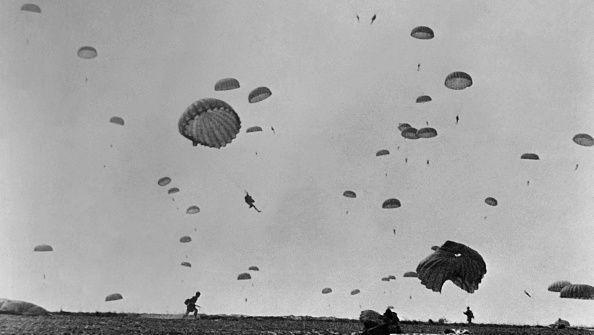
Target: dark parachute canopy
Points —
{"points": [[355, 291], [173, 190], [193, 210], [530, 156], [426, 132], [326, 290], [29, 7], [392, 277], [253, 129], [164, 181], [410, 274], [254, 268], [244, 276], [210, 122], [114, 296], [186, 264], [43, 248], [423, 98], [349, 194], [458, 80], [452, 261], [385, 279], [410, 133], [185, 239], [422, 33], [117, 120], [578, 291], [259, 94], [558, 285], [584, 140], [391, 203], [491, 201], [87, 52], [403, 126], [382, 152], [226, 84]]}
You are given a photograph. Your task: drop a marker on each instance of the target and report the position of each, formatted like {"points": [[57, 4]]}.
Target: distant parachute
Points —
{"points": [[244, 276], [117, 120], [173, 190], [382, 152], [392, 277], [254, 268], [491, 201], [426, 133], [530, 156], [423, 98], [349, 194], [403, 126], [458, 80], [29, 7], [391, 203], [209, 122], [355, 292], [87, 52], [43, 248], [259, 94], [185, 239], [114, 296], [186, 264], [410, 133], [164, 181], [584, 140], [193, 210], [385, 279], [253, 129], [578, 291], [558, 285], [226, 84], [422, 33], [410, 274], [326, 290], [452, 261]]}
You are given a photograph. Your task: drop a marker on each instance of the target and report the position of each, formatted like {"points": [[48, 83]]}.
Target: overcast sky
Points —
{"points": [[71, 179]]}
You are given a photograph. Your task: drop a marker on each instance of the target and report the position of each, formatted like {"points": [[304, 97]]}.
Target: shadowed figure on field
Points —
{"points": [[469, 315], [191, 306], [250, 201]]}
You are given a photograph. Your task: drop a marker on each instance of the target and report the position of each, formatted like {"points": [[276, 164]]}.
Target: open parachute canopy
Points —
{"points": [[326, 290], [491, 201], [382, 152], [455, 262], [186, 264], [410, 133], [244, 276], [254, 268], [578, 291], [117, 120], [422, 33], [558, 285], [355, 291], [87, 52], [193, 210], [423, 98], [391, 203], [584, 140], [164, 181], [403, 126], [253, 129], [458, 80], [173, 190], [426, 132], [114, 296], [209, 122], [185, 239], [530, 156], [410, 274], [349, 194], [29, 7], [385, 279], [259, 94], [43, 248], [226, 84]]}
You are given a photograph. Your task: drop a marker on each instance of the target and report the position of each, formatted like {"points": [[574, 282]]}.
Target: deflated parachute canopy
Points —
{"points": [[558, 285], [458, 80], [244, 276], [209, 122], [391, 203], [43, 248], [422, 33], [114, 296], [226, 84], [259, 94]]}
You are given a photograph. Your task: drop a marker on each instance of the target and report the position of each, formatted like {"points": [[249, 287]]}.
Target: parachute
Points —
{"points": [[392, 277], [259, 94], [434, 247], [87, 52], [192, 210], [226, 84], [254, 268], [164, 181], [382, 152], [18, 307], [422, 33], [244, 276], [43, 248], [578, 291], [410, 133], [210, 122], [452, 261], [185, 239], [253, 129], [584, 140], [458, 80], [326, 290], [114, 296], [410, 274], [391, 203], [403, 126], [173, 190], [423, 99], [558, 285], [186, 264], [426, 133], [491, 201], [355, 292], [530, 156], [349, 194], [29, 7], [117, 120], [385, 279]]}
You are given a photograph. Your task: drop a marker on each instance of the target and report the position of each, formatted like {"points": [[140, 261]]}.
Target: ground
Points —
{"points": [[138, 324]]}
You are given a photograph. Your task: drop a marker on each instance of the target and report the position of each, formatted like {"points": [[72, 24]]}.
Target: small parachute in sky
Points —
{"points": [[530, 156], [403, 126], [458, 80], [226, 84], [355, 291], [193, 210], [244, 276], [253, 129], [117, 120], [392, 277], [185, 239], [391, 203], [43, 248], [410, 133], [173, 190], [584, 140], [349, 194], [422, 33], [426, 132], [558, 285], [114, 296], [186, 264], [259, 94], [29, 7], [87, 52], [385, 279], [164, 181], [382, 152], [209, 122], [423, 98], [254, 268], [326, 290], [491, 201], [410, 274], [578, 291]]}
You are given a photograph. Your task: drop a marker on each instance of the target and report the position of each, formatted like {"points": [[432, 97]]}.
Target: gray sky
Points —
{"points": [[339, 90]]}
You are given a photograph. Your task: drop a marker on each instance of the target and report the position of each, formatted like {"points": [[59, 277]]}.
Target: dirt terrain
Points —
{"points": [[138, 324]]}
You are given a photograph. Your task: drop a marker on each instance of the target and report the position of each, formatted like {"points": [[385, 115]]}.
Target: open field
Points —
{"points": [[139, 324]]}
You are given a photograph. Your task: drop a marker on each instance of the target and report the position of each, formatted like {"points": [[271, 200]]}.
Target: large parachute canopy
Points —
{"points": [[254, 268], [491, 201], [326, 290], [349, 194], [426, 132], [164, 181], [253, 129], [530, 156], [410, 274], [226, 84], [423, 98], [558, 285], [403, 126], [452, 261], [578, 291], [259, 94], [87, 52], [185, 239], [29, 7], [355, 291], [193, 210], [209, 122], [244, 276], [422, 33], [382, 152], [43, 248], [117, 120], [114, 296], [584, 140], [391, 203], [410, 133], [173, 190], [186, 264], [458, 80]]}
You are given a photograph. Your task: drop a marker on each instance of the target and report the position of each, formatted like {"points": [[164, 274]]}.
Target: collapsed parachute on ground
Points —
{"points": [[422, 33], [244, 276], [209, 122], [164, 181], [355, 292], [455, 262], [186, 264], [558, 285], [458, 80], [410, 274], [349, 194], [530, 156], [193, 210], [382, 152], [578, 291], [426, 132], [584, 140], [254, 268], [87, 52], [423, 99], [253, 129], [114, 296], [226, 84], [403, 126], [29, 7], [259, 94], [326, 290], [491, 201], [173, 190], [185, 239], [391, 203], [18, 307], [43, 248], [410, 133]]}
